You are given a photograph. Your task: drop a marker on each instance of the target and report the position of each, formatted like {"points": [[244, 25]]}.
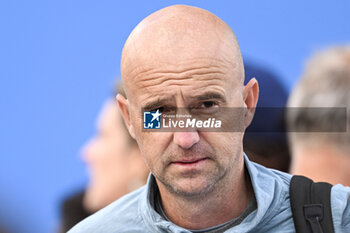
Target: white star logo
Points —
{"points": [[156, 115]]}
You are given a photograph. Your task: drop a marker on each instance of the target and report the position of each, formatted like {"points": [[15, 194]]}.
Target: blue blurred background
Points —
{"points": [[59, 60]]}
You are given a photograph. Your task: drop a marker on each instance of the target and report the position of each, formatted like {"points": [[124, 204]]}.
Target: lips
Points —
{"points": [[189, 161]]}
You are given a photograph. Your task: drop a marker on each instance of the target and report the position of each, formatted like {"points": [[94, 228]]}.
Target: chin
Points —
{"points": [[192, 188], [91, 203]]}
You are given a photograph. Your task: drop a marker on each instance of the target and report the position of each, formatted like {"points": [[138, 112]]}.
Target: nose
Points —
{"points": [[86, 151], [186, 140]]}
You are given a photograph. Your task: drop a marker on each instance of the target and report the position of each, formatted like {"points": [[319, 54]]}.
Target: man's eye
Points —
{"points": [[208, 104], [205, 108]]}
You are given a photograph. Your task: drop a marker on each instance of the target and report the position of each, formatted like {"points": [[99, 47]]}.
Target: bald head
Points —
{"points": [[176, 35]]}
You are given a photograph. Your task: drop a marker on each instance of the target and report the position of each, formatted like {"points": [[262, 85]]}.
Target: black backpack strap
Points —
{"points": [[311, 205]]}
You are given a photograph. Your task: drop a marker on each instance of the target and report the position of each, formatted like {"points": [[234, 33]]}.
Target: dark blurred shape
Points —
{"points": [[4, 230], [73, 211], [267, 147]]}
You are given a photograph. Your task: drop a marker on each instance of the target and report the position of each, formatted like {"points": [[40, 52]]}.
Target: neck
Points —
{"points": [[321, 163], [227, 201]]}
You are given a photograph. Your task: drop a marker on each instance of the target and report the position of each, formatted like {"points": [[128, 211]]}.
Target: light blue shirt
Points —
{"points": [[134, 212]]}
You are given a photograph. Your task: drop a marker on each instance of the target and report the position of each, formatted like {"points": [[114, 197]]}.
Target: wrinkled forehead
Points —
{"points": [[188, 80]]}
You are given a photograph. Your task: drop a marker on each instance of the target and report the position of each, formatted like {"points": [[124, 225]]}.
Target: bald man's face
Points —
{"points": [[182, 64]]}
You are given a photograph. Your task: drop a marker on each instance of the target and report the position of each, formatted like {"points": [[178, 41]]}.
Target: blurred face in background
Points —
{"points": [[114, 161]]}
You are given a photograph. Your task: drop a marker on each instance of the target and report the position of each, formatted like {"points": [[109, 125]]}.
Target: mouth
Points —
{"points": [[189, 162]]}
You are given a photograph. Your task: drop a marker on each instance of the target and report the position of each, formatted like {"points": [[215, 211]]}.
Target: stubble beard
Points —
{"points": [[208, 187], [210, 178]]}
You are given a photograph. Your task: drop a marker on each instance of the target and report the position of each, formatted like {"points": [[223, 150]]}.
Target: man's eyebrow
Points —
{"points": [[210, 96], [203, 97], [155, 104]]}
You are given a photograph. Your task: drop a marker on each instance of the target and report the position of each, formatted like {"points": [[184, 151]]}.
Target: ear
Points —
{"points": [[124, 109], [250, 95]]}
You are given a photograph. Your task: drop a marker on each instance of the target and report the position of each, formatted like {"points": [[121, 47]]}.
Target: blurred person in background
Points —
{"points": [[115, 164], [265, 140], [322, 156]]}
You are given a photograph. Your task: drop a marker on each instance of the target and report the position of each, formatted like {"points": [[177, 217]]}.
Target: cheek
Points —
{"points": [[225, 144], [153, 145], [113, 164], [113, 147], [233, 141], [107, 151]]}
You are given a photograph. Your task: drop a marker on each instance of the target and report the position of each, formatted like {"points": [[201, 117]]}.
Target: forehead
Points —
{"points": [[188, 78]]}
